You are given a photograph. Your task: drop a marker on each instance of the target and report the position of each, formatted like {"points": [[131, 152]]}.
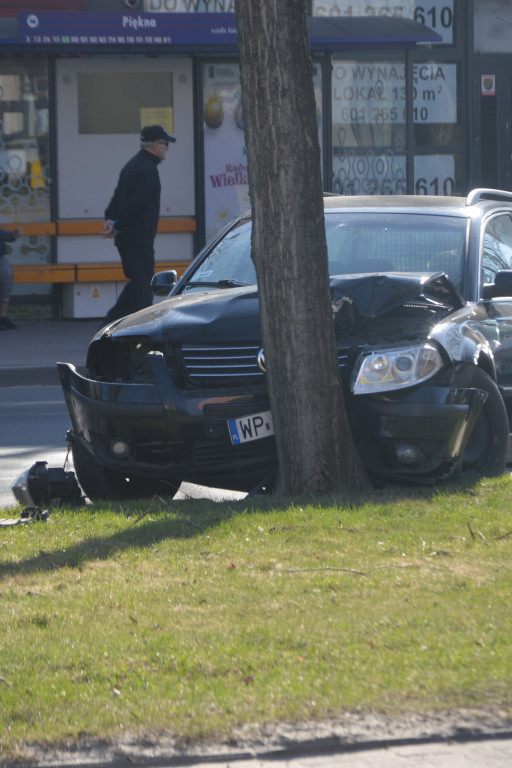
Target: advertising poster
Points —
{"points": [[225, 157], [374, 92], [226, 181]]}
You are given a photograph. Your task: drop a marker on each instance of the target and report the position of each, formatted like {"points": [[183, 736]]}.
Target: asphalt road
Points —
{"points": [[483, 754], [34, 422]]}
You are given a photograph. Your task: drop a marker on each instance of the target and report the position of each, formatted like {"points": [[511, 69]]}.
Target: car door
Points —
{"points": [[497, 255]]}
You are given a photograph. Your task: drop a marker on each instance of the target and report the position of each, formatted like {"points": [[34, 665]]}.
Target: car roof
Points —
{"points": [[477, 202]]}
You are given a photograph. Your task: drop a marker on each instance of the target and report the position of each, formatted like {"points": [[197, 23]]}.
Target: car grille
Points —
{"points": [[221, 363], [227, 363], [215, 453]]}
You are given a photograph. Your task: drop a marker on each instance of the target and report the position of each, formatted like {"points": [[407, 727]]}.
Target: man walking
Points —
{"points": [[131, 218]]}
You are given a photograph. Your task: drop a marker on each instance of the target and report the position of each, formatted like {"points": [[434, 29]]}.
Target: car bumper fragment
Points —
{"points": [[433, 421], [172, 435]]}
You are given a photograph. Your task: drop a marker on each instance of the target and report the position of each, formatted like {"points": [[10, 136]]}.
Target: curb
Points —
{"points": [[125, 756]]}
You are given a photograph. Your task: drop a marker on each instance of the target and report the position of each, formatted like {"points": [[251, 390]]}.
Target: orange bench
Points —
{"points": [[82, 273], [90, 272]]}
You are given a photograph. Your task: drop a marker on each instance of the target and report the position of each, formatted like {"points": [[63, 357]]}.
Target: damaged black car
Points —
{"points": [[422, 308]]}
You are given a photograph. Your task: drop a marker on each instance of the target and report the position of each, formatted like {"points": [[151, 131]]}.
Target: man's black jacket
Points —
{"points": [[135, 204]]}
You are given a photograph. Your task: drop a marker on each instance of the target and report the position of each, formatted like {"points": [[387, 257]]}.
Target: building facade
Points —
{"points": [[413, 96]]}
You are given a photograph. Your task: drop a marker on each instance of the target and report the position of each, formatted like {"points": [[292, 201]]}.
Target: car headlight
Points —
{"points": [[387, 369]]}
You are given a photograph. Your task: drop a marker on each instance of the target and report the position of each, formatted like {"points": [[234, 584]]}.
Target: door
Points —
{"points": [[491, 151]]}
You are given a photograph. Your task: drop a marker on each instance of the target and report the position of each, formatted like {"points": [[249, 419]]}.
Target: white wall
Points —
{"points": [[89, 164]]}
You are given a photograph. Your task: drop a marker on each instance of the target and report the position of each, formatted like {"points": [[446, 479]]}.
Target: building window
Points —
{"points": [[368, 131], [437, 128]]}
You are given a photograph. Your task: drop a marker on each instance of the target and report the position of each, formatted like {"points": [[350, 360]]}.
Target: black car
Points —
{"points": [[422, 308]]}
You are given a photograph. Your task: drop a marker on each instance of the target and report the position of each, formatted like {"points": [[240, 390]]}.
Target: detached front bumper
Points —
{"points": [[170, 435], [415, 433]]}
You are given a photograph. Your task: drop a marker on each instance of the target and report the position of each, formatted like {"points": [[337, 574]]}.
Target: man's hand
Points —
{"points": [[16, 232], [108, 229]]}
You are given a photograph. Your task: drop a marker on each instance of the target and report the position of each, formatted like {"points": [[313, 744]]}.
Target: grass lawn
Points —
{"points": [[189, 618]]}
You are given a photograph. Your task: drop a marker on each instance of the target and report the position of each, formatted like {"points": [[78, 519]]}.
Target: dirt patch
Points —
{"points": [[346, 732]]}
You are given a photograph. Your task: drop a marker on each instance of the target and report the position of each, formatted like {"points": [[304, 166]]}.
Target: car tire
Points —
{"points": [[98, 482], [485, 453]]}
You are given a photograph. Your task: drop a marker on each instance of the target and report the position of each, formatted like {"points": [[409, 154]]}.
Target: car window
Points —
{"points": [[356, 243], [497, 247], [229, 260], [396, 242]]}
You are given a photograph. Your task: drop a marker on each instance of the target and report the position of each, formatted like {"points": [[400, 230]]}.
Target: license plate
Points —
{"points": [[253, 427]]}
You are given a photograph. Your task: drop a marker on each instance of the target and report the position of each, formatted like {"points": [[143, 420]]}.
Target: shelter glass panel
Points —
{"points": [[437, 103], [25, 179], [368, 131], [438, 132]]}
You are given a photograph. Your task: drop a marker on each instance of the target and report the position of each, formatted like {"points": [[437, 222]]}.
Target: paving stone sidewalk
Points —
{"points": [[28, 355]]}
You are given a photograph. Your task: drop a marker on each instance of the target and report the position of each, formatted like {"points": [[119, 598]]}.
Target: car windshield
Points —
{"points": [[356, 243]]}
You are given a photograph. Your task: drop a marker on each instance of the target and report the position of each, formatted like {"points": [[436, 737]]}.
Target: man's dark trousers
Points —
{"points": [[138, 266]]}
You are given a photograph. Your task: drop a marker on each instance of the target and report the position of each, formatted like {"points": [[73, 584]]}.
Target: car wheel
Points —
{"points": [[486, 450], [98, 482]]}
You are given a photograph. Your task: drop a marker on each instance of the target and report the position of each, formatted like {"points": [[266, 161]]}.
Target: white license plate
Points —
{"points": [[252, 427]]}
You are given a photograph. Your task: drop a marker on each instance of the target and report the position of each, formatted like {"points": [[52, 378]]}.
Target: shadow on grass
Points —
{"points": [[186, 520], [144, 532]]}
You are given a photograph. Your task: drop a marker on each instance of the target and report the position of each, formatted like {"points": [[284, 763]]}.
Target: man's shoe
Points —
{"points": [[7, 324]]}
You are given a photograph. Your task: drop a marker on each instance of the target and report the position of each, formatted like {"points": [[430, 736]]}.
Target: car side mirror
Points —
{"points": [[163, 282], [502, 285]]}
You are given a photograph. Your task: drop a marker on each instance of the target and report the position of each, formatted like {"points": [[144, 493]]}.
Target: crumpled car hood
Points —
{"points": [[203, 314], [378, 294], [361, 299], [356, 300]]}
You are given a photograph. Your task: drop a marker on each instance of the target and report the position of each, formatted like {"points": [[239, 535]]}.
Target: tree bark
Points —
{"points": [[314, 443]]}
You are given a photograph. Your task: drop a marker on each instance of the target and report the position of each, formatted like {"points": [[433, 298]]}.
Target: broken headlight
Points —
{"points": [[396, 368], [40, 485]]}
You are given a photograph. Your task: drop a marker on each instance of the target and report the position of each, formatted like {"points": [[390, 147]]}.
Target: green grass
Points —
{"points": [[189, 618]]}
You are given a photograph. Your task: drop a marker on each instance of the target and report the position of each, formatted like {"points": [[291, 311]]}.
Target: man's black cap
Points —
{"points": [[155, 133]]}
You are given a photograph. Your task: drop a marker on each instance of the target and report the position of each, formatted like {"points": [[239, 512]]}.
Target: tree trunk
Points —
{"points": [[314, 443]]}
